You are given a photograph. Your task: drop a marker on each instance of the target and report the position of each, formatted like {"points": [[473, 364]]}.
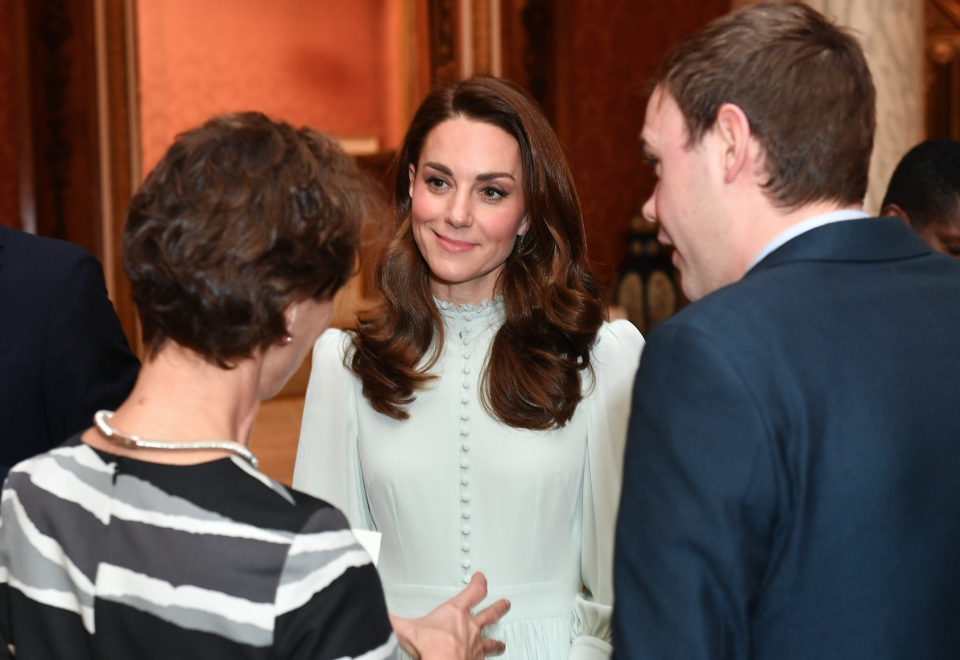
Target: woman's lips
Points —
{"points": [[451, 245]]}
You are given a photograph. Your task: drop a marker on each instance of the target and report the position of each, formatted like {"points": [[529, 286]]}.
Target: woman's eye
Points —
{"points": [[435, 182], [493, 193]]}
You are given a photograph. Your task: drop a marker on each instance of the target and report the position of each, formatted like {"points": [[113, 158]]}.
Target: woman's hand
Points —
{"points": [[450, 632]]}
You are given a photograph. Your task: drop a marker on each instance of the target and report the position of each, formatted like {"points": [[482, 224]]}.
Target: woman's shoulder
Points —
{"points": [[331, 347], [618, 339]]}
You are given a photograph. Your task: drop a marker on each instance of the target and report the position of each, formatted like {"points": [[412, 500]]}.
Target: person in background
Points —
{"points": [[476, 417], [790, 487], [63, 353], [151, 534], [925, 191]]}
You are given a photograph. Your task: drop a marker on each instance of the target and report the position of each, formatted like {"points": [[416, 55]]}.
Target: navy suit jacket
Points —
{"points": [[63, 354], [792, 471]]}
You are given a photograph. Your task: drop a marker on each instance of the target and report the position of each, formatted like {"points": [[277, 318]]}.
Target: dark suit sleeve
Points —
{"points": [[88, 365], [697, 507]]}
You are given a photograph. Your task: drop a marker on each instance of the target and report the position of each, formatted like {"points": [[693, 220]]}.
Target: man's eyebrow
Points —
{"points": [[443, 169], [490, 176]]}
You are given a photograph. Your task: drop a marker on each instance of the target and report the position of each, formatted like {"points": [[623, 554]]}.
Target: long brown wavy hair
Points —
{"points": [[533, 376]]}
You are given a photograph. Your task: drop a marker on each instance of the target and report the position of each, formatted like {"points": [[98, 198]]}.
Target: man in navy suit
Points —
{"points": [[792, 473], [63, 354]]}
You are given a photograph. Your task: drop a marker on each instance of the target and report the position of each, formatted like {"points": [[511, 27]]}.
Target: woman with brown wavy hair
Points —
{"points": [[477, 415]]}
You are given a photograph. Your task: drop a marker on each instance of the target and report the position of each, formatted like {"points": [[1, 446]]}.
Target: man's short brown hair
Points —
{"points": [[242, 217], [804, 85]]}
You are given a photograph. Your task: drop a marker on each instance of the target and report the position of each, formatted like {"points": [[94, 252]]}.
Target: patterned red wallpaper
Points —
{"points": [[617, 46], [305, 61], [9, 190]]}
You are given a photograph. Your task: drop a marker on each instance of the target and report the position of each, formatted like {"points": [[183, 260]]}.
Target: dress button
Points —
{"points": [[466, 578], [464, 463], [465, 546], [465, 480], [465, 513], [465, 563], [466, 355], [465, 399], [466, 340], [466, 369], [467, 328], [467, 317], [466, 383], [465, 529], [465, 446], [464, 415], [464, 429], [465, 497]]}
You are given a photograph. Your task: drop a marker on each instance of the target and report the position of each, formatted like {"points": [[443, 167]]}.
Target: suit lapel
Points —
{"points": [[873, 239]]}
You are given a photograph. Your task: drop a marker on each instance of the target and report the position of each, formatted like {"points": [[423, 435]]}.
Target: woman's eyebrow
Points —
{"points": [[490, 176], [443, 169]]}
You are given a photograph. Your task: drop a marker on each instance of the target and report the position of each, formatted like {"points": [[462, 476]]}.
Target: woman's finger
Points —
{"points": [[490, 615]]}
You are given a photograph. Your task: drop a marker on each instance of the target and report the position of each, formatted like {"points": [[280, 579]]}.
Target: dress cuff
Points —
{"points": [[590, 648]]}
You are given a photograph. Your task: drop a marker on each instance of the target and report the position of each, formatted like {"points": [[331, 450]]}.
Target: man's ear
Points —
{"points": [[733, 129], [894, 211], [411, 175]]}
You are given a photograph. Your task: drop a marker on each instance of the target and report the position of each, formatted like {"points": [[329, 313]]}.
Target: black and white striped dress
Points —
{"points": [[103, 556]]}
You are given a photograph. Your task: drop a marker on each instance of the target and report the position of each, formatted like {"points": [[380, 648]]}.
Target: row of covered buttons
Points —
{"points": [[465, 452]]}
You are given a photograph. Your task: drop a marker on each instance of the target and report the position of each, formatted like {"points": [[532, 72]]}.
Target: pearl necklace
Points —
{"points": [[136, 442]]}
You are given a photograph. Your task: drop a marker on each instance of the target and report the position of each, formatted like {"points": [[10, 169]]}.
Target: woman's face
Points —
{"points": [[467, 207]]}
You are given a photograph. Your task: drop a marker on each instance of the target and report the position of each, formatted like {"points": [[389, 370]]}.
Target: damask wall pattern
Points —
{"points": [[305, 61]]}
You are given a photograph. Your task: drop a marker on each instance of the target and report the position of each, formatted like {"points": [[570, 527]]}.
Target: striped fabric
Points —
{"points": [[103, 556]]}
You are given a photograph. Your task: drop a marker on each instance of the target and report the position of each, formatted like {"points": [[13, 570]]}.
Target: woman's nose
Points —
{"points": [[459, 213]]}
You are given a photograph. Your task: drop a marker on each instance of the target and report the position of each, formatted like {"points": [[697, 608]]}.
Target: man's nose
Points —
{"points": [[650, 206]]}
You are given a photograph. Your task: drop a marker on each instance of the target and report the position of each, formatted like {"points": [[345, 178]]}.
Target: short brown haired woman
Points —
{"points": [[480, 421], [152, 535]]}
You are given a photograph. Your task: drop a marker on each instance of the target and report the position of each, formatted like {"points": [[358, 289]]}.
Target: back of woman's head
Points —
{"points": [[242, 217], [551, 297]]}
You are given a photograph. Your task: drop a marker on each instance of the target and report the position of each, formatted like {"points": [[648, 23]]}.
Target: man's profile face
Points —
{"points": [[684, 201]]}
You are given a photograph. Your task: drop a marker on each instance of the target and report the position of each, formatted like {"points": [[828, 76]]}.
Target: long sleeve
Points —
{"points": [[616, 358], [88, 365], [328, 456], [698, 505]]}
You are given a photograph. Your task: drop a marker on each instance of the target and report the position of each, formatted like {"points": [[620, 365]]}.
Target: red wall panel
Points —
{"points": [[616, 48]]}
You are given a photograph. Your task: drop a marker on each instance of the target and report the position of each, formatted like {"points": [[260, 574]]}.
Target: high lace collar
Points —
{"points": [[488, 310]]}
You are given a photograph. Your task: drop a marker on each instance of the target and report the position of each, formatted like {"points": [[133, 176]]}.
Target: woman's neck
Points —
{"points": [[180, 397], [462, 293]]}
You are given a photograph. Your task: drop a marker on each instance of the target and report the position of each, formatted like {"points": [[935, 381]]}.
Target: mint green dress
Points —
{"points": [[454, 491]]}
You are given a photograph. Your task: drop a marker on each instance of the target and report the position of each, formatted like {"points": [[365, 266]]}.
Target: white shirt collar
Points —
{"points": [[804, 227]]}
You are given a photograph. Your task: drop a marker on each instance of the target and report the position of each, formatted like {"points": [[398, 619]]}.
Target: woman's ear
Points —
{"points": [[524, 225], [411, 174], [290, 316]]}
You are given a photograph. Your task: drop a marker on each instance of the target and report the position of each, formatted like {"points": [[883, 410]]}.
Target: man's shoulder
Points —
{"points": [[39, 259]]}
